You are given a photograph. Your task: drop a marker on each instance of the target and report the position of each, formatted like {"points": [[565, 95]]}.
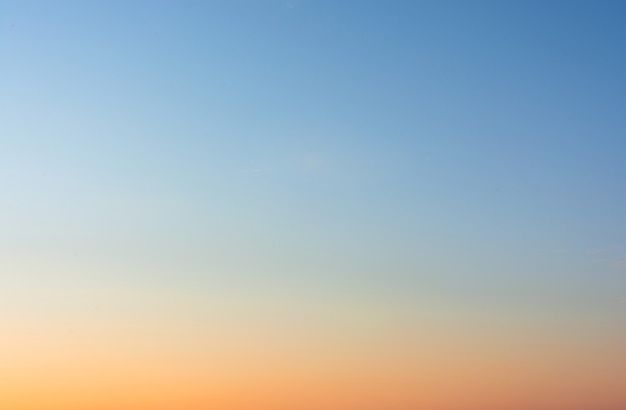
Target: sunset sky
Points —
{"points": [[312, 205]]}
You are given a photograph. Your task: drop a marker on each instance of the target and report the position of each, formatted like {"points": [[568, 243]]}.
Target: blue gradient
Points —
{"points": [[468, 150]]}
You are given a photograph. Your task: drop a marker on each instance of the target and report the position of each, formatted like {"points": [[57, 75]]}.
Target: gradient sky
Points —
{"points": [[321, 205]]}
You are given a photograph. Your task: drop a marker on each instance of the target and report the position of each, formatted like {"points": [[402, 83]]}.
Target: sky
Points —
{"points": [[322, 205]]}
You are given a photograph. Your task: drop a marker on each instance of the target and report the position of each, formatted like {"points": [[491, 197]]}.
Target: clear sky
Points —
{"points": [[312, 204]]}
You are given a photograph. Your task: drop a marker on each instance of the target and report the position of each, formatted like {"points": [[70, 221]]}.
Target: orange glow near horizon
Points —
{"points": [[163, 356]]}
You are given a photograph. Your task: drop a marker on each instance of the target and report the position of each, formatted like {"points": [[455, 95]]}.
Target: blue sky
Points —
{"points": [[470, 150], [265, 198]]}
